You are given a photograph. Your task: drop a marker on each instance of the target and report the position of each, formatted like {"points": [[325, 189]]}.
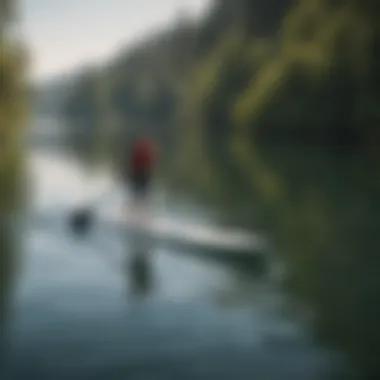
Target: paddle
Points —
{"points": [[81, 219]]}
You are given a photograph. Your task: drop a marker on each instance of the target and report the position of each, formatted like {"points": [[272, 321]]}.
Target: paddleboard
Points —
{"points": [[167, 231]]}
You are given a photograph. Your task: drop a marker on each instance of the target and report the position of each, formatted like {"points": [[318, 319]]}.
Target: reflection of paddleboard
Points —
{"points": [[170, 231]]}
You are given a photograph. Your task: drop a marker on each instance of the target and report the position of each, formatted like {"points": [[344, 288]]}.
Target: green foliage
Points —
{"points": [[13, 113], [13, 96], [324, 219], [304, 73]]}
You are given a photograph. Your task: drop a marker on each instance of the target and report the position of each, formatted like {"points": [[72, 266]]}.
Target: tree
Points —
{"points": [[13, 96]]}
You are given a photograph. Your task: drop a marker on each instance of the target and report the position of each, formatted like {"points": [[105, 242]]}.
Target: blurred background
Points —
{"points": [[266, 115]]}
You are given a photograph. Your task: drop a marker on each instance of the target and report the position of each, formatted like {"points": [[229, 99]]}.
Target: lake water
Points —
{"points": [[84, 309]]}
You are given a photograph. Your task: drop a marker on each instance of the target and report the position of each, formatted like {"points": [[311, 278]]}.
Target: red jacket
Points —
{"points": [[143, 155]]}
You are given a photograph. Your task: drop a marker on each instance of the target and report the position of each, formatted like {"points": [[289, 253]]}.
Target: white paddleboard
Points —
{"points": [[184, 233]]}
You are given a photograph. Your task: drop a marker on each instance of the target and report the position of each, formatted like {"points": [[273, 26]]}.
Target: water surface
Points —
{"points": [[86, 309]]}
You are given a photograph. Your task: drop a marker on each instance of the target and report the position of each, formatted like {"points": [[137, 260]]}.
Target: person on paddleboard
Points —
{"points": [[137, 170], [141, 165]]}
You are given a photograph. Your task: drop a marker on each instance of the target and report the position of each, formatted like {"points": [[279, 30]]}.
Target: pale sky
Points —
{"points": [[65, 34]]}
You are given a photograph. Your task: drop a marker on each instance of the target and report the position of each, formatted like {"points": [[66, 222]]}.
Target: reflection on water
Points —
{"points": [[140, 273], [9, 254], [324, 211], [139, 265], [75, 315]]}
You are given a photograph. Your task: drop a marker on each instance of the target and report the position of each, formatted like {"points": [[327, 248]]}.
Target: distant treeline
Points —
{"points": [[250, 72]]}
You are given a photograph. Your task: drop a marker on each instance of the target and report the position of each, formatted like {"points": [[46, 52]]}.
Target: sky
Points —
{"points": [[63, 35]]}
